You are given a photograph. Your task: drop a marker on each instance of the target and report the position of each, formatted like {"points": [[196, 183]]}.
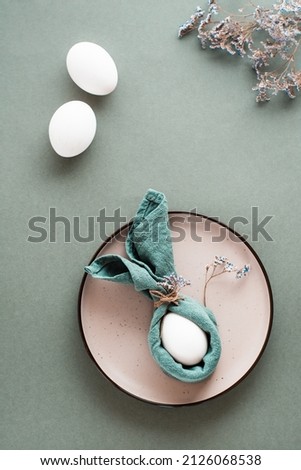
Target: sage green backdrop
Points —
{"points": [[181, 121]]}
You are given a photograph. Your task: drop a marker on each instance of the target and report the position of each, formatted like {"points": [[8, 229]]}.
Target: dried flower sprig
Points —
{"points": [[172, 285], [237, 34], [222, 265]]}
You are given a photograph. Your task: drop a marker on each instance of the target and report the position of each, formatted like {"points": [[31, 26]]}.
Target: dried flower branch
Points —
{"points": [[172, 285], [222, 265], [238, 33]]}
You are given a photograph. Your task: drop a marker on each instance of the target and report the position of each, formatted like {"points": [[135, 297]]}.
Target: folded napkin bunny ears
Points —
{"points": [[149, 264]]}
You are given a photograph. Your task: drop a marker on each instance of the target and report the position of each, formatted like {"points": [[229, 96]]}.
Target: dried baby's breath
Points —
{"points": [[222, 265], [269, 37]]}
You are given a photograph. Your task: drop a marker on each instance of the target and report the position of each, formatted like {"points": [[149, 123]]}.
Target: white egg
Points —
{"points": [[185, 341], [72, 128], [92, 68]]}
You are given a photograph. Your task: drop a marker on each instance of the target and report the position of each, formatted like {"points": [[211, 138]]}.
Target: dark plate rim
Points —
{"points": [[177, 405]]}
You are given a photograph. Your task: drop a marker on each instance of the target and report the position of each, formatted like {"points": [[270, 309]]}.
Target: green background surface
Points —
{"points": [[181, 121]]}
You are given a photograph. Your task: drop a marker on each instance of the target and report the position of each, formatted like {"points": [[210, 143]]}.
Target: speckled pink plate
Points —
{"points": [[115, 319]]}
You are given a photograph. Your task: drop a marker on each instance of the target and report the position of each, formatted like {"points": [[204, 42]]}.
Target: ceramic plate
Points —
{"points": [[115, 319]]}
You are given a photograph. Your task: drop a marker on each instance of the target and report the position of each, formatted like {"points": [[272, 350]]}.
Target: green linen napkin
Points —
{"points": [[150, 260]]}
